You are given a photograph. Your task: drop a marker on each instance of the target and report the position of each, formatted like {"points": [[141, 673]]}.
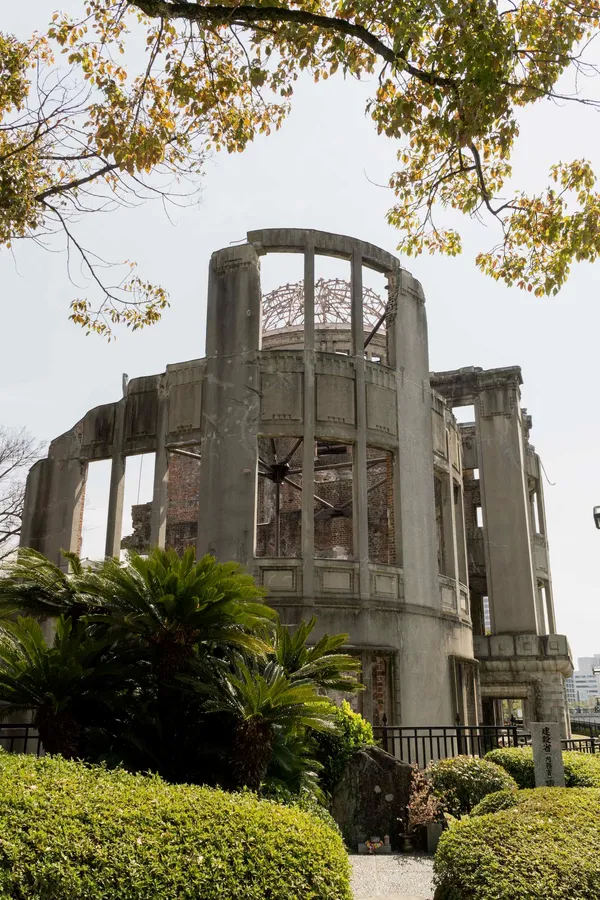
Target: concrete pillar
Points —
{"points": [[360, 517], [450, 552], [116, 492], [415, 502], [158, 522], [54, 503], [541, 508], [230, 407], [34, 505], [308, 447], [367, 679], [461, 537], [505, 503]]}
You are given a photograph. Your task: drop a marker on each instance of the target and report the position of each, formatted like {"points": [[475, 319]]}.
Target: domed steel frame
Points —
{"points": [[284, 307]]}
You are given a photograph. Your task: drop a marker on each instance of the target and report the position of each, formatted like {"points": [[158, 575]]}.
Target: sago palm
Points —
{"points": [[58, 684], [178, 607], [320, 664], [32, 585], [266, 705]]}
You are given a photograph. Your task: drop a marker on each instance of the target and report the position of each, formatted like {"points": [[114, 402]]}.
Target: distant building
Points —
{"points": [[584, 685]]}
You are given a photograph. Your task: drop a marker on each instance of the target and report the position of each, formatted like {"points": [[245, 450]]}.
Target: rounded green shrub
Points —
{"points": [[463, 781], [495, 802], [546, 848], [581, 769], [305, 801], [74, 832], [333, 750]]}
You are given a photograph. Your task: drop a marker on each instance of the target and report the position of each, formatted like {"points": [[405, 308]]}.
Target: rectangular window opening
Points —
{"points": [[375, 298], [464, 414], [183, 499], [137, 503], [279, 497], [282, 286], [487, 616], [380, 506], [333, 501], [95, 510], [333, 305]]}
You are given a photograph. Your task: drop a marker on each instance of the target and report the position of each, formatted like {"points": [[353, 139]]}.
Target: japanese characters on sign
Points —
{"points": [[547, 754]]}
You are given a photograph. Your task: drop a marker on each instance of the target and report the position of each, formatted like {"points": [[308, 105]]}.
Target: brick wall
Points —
{"points": [[334, 535], [183, 497]]}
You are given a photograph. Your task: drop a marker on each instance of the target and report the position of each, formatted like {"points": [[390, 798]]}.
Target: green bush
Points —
{"points": [[73, 832], [581, 769], [333, 751], [495, 802], [305, 801], [546, 848], [462, 782]]}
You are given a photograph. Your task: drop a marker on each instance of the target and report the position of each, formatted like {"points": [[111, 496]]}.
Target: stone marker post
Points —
{"points": [[547, 754]]}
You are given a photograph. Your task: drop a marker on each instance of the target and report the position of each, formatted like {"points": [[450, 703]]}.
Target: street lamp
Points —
{"points": [[597, 516]]}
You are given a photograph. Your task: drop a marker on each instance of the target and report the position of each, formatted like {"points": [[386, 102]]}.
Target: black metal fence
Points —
{"points": [[411, 744], [20, 739], [421, 745], [582, 745], [583, 726]]}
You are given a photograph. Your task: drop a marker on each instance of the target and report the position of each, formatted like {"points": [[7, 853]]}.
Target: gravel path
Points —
{"points": [[397, 877]]}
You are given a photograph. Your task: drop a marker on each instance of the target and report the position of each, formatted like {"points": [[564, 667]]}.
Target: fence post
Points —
{"points": [[384, 738]]}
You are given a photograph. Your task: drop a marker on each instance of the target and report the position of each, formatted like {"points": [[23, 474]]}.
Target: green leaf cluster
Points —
{"points": [[69, 831], [581, 769], [167, 664], [334, 749], [547, 847], [463, 781], [452, 77]]}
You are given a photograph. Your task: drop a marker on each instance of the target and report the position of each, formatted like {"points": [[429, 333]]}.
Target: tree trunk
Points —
{"points": [[252, 752], [60, 733]]}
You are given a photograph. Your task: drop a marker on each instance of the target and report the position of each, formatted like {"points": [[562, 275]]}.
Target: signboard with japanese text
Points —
{"points": [[547, 754]]}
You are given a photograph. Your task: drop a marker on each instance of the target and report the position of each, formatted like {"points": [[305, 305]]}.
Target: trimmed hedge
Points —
{"points": [[581, 769], [546, 848], [304, 801], [463, 781], [74, 832], [495, 802]]}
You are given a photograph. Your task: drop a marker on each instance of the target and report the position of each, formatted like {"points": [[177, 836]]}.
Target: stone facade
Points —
{"points": [[326, 458]]}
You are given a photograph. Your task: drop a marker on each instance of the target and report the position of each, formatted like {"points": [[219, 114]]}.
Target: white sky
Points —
{"points": [[317, 173]]}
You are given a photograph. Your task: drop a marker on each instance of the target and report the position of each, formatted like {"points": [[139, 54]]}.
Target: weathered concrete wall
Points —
{"points": [[386, 550], [528, 667], [230, 406]]}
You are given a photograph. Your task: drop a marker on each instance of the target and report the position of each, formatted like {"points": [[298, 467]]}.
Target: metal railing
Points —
{"points": [[20, 739], [582, 745], [583, 726], [410, 744], [421, 745]]}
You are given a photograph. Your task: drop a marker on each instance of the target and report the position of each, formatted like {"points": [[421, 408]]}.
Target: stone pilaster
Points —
{"points": [[230, 408]]}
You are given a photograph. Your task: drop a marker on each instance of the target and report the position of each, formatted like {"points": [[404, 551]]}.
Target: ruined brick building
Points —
{"points": [[313, 445]]}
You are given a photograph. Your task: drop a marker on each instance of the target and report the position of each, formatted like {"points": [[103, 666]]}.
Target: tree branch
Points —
{"points": [[249, 16], [79, 182]]}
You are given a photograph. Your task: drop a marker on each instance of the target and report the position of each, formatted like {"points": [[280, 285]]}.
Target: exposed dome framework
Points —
{"points": [[284, 307]]}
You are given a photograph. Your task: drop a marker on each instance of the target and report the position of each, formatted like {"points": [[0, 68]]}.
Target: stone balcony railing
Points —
{"points": [[339, 579]]}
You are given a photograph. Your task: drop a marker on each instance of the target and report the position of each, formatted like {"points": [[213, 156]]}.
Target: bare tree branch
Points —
{"points": [[18, 452]]}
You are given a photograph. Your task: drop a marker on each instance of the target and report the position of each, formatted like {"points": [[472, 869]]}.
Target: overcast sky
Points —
{"points": [[321, 171]]}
